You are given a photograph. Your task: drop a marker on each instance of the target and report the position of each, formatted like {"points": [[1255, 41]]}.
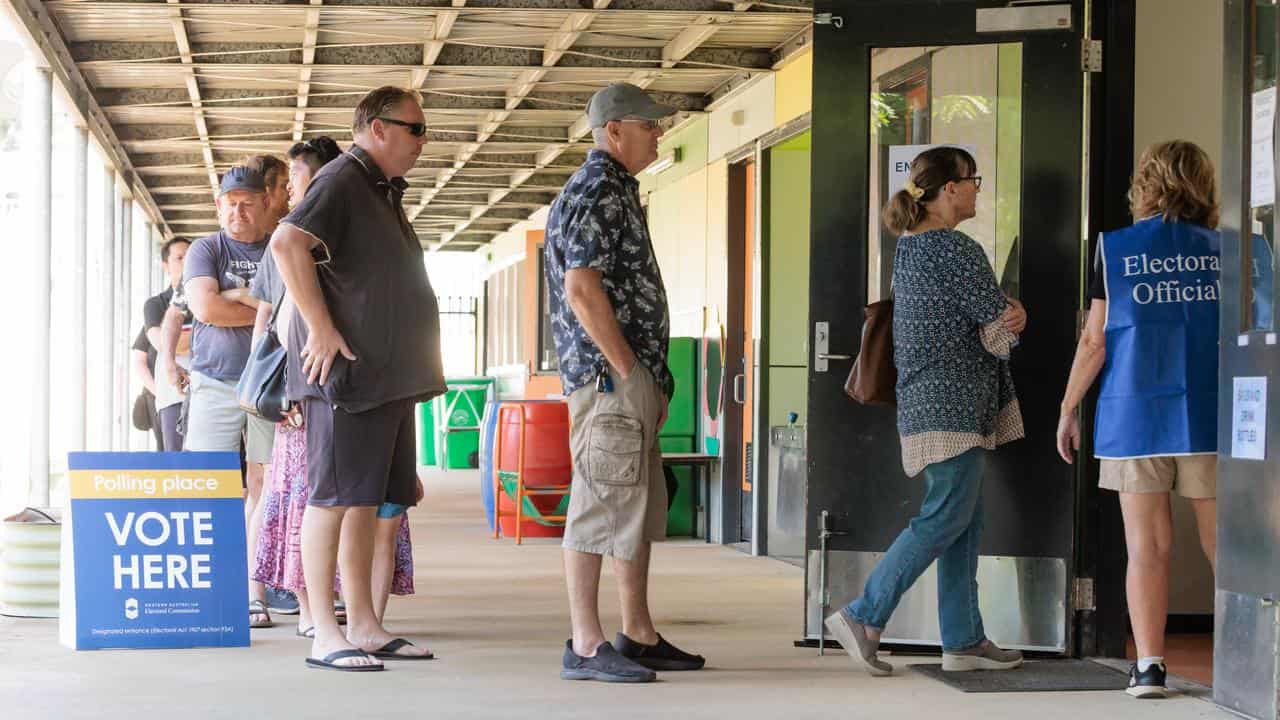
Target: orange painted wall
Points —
{"points": [[538, 386]]}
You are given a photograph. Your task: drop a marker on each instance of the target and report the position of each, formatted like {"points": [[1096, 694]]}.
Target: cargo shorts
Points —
{"points": [[618, 499]]}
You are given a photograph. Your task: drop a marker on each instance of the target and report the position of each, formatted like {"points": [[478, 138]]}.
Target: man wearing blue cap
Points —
{"points": [[611, 325], [216, 280]]}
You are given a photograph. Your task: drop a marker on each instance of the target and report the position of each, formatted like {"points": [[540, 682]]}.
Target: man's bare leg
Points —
{"points": [[321, 529], [633, 591], [582, 575], [384, 563], [355, 554]]}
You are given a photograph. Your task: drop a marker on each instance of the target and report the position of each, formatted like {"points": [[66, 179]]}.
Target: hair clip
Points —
{"points": [[915, 191]]}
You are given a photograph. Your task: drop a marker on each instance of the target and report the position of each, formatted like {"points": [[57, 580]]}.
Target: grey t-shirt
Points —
{"points": [[221, 352], [267, 285], [375, 285]]}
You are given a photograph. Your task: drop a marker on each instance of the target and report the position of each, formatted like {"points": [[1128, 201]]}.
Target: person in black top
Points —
{"points": [[164, 402], [363, 350]]}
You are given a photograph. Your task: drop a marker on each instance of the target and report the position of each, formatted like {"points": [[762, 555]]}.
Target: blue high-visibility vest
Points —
{"points": [[1159, 392]]}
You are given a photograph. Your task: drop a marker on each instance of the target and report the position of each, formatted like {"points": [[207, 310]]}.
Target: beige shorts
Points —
{"points": [[1191, 476], [618, 500], [216, 422]]}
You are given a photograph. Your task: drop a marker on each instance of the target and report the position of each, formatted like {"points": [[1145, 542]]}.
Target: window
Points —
{"points": [[503, 321], [1259, 271], [548, 359]]}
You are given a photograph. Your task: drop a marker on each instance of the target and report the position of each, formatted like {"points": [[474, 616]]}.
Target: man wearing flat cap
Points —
{"points": [[611, 325]]}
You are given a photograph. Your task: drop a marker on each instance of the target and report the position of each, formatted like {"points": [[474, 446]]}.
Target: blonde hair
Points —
{"points": [[930, 172], [1175, 179]]}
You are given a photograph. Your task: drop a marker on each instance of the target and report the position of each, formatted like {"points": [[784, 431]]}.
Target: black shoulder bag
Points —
{"points": [[261, 389]]}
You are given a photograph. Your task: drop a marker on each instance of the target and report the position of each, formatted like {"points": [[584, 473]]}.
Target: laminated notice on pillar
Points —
{"points": [[1262, 175], [1249, 418], [153, 552]]}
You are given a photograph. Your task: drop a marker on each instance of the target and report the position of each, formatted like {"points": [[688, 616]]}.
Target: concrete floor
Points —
{"points": [[495, 615]]}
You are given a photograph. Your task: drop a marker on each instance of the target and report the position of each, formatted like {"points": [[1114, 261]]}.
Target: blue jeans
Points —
{"points": [[947, 529]]}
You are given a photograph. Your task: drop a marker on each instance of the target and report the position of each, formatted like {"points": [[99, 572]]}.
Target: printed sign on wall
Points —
{"points": [[1249, 418], [153, 552], [900, 157]]}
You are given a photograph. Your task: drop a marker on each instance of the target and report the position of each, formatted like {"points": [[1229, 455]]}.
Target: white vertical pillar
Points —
{"points": [[40, 136], [108, 308], [125, 340], [79, 291]]}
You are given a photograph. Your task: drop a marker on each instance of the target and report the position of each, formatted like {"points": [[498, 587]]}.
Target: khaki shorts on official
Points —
{"points": [[1191, 476], [618, 499]]}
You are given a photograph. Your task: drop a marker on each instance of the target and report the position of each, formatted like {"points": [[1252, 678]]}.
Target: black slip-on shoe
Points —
{"points": [[662, 656], [606, 666], [1149, 684]]}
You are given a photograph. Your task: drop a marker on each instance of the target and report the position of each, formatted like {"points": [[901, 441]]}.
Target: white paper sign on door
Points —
{"points": [[1249, 418], [900, 157], [1262, 174]]}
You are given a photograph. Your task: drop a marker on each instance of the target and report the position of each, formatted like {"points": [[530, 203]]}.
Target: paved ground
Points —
{"points": [[495, 615]]}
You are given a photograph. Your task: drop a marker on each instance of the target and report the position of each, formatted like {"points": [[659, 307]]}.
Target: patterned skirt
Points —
{"points": [[279, 559]]}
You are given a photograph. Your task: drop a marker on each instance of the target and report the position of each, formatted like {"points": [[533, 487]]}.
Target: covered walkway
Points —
{"points": [[496, 617]]}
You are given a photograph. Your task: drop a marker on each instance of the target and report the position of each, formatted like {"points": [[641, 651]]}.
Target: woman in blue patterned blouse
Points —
{"points": [[952, 332]]}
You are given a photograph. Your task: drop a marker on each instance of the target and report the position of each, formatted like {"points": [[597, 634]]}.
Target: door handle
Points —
{"points": [[740, 388], [829, 356]]}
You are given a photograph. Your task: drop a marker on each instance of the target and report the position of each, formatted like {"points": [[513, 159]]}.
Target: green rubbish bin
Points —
{"points": [[457, 416], [426, 434]]}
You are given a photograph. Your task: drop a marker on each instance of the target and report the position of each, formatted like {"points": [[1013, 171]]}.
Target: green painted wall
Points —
{"points": [[692, 141], [787, 238]]}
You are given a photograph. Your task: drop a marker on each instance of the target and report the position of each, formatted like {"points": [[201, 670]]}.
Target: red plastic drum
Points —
{"points": [[547, 460]]}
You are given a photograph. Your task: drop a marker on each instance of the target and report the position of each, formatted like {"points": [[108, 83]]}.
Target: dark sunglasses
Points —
{"points": [[415, 129], [977, 181]]}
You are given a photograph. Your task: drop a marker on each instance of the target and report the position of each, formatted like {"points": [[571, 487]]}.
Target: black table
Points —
{"points": [[701, 465]]}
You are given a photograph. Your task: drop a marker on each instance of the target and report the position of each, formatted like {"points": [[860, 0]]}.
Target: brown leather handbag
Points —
{"points": [[873, 379]]}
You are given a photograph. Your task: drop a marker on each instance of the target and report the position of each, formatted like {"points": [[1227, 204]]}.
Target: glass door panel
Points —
{"points": [[964, 95]]}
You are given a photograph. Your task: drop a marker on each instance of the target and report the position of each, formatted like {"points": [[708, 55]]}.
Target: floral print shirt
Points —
{"points": [[597, 222]]}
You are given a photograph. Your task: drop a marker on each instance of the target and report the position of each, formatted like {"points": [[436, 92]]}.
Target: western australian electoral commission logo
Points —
{"points": [[131, 608]]}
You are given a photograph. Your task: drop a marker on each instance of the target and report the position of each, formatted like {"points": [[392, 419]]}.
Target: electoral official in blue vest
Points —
{"points": [[1151, 336]]}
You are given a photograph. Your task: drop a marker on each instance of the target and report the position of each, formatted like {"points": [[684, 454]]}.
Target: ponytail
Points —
{"points": [[902, 212]]}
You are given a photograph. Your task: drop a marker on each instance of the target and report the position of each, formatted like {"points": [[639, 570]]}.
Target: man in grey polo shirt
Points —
{"points": [[364, 349], [611, 325], [216, 277]]}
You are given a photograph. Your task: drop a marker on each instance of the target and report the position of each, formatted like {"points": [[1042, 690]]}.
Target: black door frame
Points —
{"points": [[840, 105], [732, 495], [1100, 541]]}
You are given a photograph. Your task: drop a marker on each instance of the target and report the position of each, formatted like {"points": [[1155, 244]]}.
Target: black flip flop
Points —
{"points": [[328, 663], [388, 651]]}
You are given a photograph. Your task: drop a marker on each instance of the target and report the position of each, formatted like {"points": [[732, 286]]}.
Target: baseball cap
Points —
{"points": [[241, 178], [623, 100]]}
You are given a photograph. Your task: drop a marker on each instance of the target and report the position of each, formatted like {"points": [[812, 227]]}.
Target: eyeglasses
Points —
{"points": [[977, 181], [642, 122], [415, 129]]}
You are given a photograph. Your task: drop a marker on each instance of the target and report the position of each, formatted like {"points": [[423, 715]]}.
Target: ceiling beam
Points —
{"points": [[310, 32], [193, 90], [571, 29], [676, 50], [659, 9], [441, 26], [689, 39]]}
